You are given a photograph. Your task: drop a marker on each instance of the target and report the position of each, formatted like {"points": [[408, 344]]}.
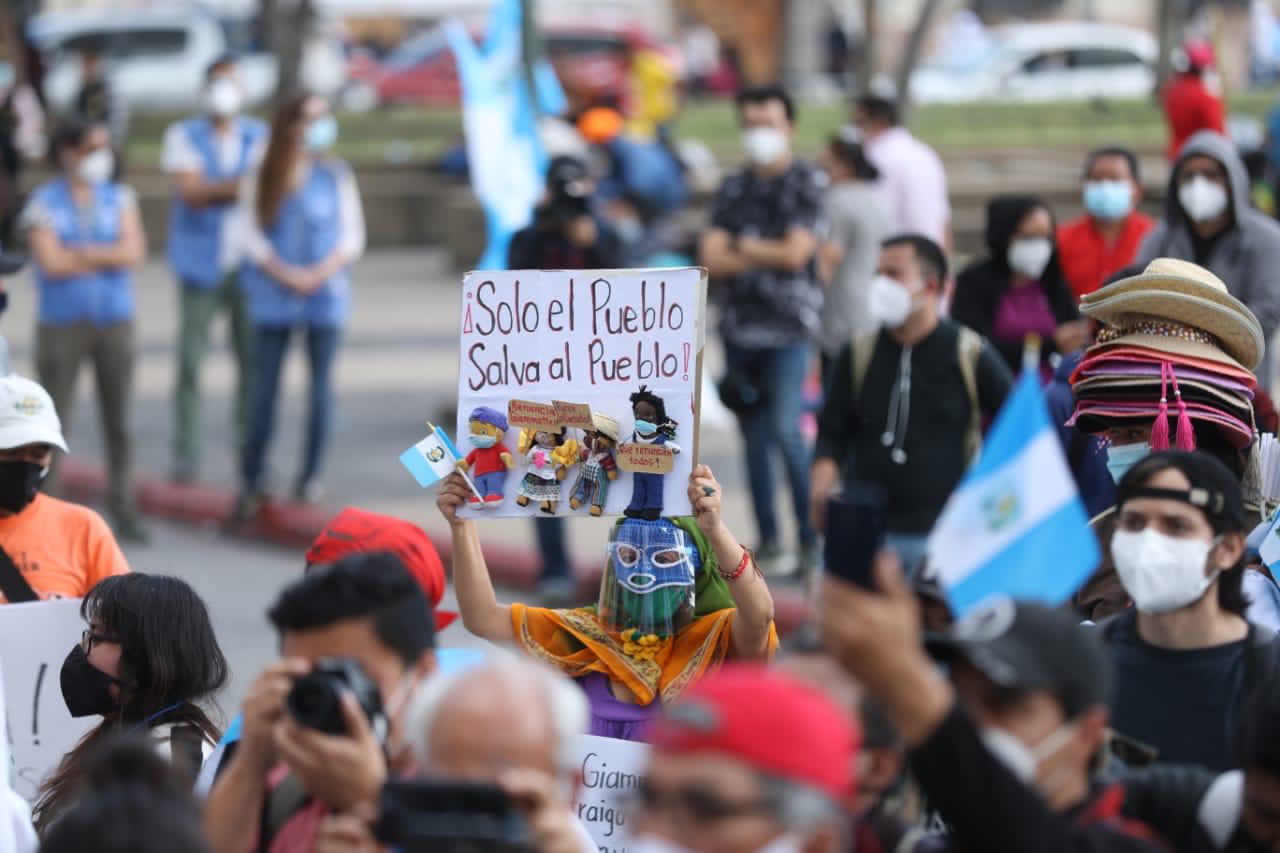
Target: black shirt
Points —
{"points": [[768, 307], [936, 427], [1185, 703]]}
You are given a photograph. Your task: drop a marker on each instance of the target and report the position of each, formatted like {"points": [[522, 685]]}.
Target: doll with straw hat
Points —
{"points": [[1172, 367]]}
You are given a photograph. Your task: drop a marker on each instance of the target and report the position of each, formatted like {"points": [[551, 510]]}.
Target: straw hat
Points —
{"points": [[605, 425], [1157, 348], [1105, 389], [1095, 417], [1183, 292]]}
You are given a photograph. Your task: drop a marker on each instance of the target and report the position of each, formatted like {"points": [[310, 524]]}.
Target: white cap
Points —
{"points": [[27, 415]]}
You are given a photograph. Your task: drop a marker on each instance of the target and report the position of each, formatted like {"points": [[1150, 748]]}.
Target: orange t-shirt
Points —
{"points": [[62, 549]]}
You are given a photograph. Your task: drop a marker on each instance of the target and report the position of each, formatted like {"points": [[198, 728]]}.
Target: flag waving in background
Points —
{"points": [[1015, 526], [432, 459]]}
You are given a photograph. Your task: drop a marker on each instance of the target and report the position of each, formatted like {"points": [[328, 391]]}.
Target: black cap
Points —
{"points": [[1027, 646], [11, 262]]}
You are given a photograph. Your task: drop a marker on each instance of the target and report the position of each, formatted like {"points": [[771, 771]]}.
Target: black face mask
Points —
{"points": [[85, 688], [19, 483], [4, 301]]}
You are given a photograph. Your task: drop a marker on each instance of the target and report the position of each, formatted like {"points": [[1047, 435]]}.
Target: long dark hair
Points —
{"points": [[169, 661], [278, 162]]}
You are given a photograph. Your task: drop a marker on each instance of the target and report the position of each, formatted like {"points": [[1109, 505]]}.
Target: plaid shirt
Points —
{"points": [[766, 307]]}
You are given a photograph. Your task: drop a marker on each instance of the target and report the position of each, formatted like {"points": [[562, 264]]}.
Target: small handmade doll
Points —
{"points": [[490, 461], [652, 426], [544, 455], [599, 465]]}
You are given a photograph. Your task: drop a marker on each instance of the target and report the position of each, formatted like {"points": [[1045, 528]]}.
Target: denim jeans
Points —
{"points": [[551, 547], [270, 345], [780, 374]]}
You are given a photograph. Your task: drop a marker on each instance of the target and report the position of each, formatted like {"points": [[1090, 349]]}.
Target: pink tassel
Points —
{"points": [[1160, 429], [1186, 436]]}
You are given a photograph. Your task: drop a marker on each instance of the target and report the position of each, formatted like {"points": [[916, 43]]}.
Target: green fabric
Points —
{"points": [[653, 612]]}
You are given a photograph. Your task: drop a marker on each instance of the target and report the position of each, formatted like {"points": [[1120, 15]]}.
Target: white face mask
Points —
{"points": [[889, 302], [764, 145], [97, 166], [1018, 758], [223, 99], [1028, 256], [1202, 199], [1161, 573], [652, 844]]}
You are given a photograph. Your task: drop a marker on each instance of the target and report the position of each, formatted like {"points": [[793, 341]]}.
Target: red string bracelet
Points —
{"points": [[746, 560]]}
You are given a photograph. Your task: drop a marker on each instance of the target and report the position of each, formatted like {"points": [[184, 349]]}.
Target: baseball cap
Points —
{"points": [[359, 531], [767, 719], [1028, 646], [27, 415]]}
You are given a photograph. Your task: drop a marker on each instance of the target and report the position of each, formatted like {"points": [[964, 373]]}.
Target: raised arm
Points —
{"points": [[753, 615], [482, 615]]}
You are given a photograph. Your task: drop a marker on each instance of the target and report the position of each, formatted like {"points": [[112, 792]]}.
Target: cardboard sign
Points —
{"points": [[573, 415], [536, 416], [611, 770], [34, 640], [548, 349], [646, 458]]}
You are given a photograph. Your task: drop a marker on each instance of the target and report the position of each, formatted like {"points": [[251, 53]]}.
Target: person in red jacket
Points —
{"points": [[1106, 237], [1190, 105]]}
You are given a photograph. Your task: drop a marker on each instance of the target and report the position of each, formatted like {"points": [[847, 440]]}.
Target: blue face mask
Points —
{"points": [[646, 427], [1122, 457], [321, 133], [482, 440], [1108, 200]]}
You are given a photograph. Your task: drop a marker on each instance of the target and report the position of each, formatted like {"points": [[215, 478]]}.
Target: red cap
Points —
{"points": [[355, 531], [1199, 54], [768, 719]]}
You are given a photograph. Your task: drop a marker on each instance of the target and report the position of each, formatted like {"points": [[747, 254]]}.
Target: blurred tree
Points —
{"points": [[287, 24], [1171, 17], [911, 55], [870, 49]]}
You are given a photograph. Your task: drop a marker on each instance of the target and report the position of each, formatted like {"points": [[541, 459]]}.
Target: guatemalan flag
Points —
{"points": [[1015, 525], [432, 459]]}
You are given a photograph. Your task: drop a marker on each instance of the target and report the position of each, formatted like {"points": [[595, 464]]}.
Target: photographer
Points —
{"points": [[356, 639]]}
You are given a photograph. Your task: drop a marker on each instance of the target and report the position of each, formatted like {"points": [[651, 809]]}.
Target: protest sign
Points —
{"points": [[34, 640], [542, 353], [612, 770]]}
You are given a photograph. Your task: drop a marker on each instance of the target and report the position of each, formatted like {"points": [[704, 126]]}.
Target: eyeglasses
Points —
{"points": [[88, 638], [693, 806]]}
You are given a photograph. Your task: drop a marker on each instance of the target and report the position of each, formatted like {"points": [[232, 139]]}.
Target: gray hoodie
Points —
{"points": [[1246, 257]]}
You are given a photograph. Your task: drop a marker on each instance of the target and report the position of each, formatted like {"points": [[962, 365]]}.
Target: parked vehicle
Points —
{"points": [[1061, 61], [156, 57]]}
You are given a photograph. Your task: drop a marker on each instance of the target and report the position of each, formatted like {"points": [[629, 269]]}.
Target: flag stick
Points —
{"points": [[1031, 353], [456, 460]]}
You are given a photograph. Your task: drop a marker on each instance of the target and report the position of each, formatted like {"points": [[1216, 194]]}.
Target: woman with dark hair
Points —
{"points": [[86, 239], [1185, 657], [858, 220], [305, 228], [145, 661], [1018, 289]]}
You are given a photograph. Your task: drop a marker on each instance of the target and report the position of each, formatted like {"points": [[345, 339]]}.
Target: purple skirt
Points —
{"points": [[610, 716]]}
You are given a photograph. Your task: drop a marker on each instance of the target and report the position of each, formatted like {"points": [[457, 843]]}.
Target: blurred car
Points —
{"points": [[591, 59], [1061, 61], [156, 59]]}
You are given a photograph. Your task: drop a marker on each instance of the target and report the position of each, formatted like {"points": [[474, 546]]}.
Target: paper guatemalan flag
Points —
{"points": [[1015, 525], [432, 459]]}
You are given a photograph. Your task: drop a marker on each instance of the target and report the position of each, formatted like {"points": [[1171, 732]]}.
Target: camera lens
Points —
{"points": [[314, 702]]}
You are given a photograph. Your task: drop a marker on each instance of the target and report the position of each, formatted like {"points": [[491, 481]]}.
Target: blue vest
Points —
{"points": [[102, 298], [195, 233], [305, 232]]}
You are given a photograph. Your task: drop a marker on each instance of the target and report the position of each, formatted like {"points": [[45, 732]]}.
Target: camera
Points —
{"points": [[315, 700], [438, 815]]}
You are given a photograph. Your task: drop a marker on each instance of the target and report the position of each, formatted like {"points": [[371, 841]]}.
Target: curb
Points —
{"points": [[296, 525]]}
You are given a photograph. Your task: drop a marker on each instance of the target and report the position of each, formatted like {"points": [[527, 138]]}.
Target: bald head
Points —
{"points": [[508, 713]]}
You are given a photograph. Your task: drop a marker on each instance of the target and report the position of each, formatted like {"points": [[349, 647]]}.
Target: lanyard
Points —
{"points": [[158, 714]]}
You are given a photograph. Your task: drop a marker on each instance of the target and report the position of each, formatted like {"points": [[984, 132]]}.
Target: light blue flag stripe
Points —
{"points": [[1023, 415], [419, 467], [448, 443]]}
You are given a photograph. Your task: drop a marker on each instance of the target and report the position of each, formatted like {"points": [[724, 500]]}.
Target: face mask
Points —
{"points": [[1122, 457], [651, 844], [96, 167], [1029, 256], [222, 99], [4, 301], [482, 440], [1202, 199], [764, 145], [1018, 758], [85, 688], [889, 302], [19, 483], [652, 610], [321, 133], [646, 427], [1160, 573], [1108, 200]]}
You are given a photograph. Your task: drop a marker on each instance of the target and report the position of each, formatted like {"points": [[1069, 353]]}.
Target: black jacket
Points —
{"points": [[980, 285]]}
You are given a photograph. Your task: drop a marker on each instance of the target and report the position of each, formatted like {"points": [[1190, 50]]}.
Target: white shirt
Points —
{"points": [[351, 237], [913, 181], [180, 155]]}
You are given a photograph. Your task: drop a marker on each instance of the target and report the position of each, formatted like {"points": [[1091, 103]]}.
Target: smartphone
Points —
{"points": [[855, 532], [448, 816]]}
